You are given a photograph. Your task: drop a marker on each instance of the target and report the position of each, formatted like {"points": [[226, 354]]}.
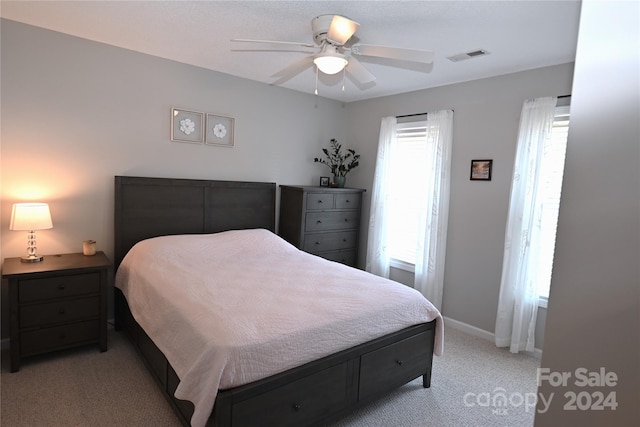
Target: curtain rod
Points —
{"points": [[424, 114], [411, 115], [416, 114]]}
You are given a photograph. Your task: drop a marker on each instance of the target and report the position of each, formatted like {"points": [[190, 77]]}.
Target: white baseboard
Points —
{"points": [[471, 330], [481, 333]]}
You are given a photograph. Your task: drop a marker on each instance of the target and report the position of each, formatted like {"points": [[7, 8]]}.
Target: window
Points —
{"points": [[408, 180], [410, 200], [551, 181]]}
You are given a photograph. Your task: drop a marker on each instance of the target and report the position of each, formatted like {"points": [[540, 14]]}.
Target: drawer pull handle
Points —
{"points": [[61, 311], [318, 222], [347, 201], [399, 362], [319, 201], [346, 220], [296, 406], [317, 243], [61, 287], [344, 240], [62, 337]]}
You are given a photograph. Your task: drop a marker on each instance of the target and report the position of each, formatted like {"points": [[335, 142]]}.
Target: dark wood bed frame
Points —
{"points": [[311, 394]]}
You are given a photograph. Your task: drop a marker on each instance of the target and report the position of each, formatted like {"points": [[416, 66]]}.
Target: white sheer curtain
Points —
{"points": [[518, 301], [429, 265], [434, 215], [377, 256]]}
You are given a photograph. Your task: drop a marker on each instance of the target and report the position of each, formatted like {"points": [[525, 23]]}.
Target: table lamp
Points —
{"points": [[30, 217]]}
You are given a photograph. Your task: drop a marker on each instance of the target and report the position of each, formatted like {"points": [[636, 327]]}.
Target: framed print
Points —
{"points": [[219, 130], [187, 126], [324, 181], [481, 170]]}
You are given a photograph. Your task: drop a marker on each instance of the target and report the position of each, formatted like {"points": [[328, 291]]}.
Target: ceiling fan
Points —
{"points": [[337, 51]]}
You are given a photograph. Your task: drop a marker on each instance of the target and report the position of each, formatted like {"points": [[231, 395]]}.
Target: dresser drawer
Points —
{"points": [[344, 257], [327, 221], [348, 201], [43, 340], [315, 243], [400, 362], [303, 402], [58, 286], [316, 201], [59, 311]]}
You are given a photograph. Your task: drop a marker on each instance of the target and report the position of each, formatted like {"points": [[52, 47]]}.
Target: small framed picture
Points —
{"points": [[219, 130], [481, 170], [187, 126], [324, 181]]}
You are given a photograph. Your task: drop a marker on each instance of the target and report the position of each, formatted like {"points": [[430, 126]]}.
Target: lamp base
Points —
{"points": [[31, 258]]}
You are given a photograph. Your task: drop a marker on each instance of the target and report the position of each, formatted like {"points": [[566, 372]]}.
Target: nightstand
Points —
{"points": [[58, 303]]}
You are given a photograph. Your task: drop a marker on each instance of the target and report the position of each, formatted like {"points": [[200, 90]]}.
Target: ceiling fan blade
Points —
{"points": [[292, 70], [411, 55], [358, 72], [274, 42], [341, 30]]}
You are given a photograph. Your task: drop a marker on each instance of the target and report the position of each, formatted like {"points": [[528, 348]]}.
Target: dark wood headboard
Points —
{"points": [[152, 207]]}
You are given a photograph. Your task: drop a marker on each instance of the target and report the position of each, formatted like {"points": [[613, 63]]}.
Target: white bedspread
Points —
{"points": [[230, 308]]}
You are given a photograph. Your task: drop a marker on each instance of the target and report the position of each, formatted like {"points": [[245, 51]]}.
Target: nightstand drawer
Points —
{"points": [[327, 221], [43, 340], [316, 201], [348, 201], [315, 243], [59, 311], [58, 286]]}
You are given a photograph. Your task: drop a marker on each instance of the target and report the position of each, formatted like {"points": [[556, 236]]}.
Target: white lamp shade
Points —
{"points": [[330, 63], [341, 29], [30, 216]]}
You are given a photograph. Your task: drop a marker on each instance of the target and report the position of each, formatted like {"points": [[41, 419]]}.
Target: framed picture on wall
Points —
{"points": [[187, 126], [481, 170], [220, 130]]}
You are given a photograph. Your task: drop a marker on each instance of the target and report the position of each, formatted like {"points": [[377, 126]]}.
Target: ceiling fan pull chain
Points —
{"points": [[344, 76], [316, 91]]}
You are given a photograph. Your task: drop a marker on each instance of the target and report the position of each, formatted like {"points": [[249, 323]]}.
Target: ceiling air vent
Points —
{"points": [[468, 55]]}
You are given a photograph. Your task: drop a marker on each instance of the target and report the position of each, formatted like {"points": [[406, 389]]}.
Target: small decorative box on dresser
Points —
{"points": [[322, 221], [57, 303]]}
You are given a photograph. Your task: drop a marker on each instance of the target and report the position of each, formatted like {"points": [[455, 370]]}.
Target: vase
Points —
{"points": [[339, 180]]}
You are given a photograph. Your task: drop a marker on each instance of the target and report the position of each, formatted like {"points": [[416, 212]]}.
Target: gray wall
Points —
{"points": [[594, 307], [486, 119], [75, 113]]}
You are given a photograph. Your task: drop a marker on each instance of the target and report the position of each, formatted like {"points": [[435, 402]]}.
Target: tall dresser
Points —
{"points": [[321, 220]]}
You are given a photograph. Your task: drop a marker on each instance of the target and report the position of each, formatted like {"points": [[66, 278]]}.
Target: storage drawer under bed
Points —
{"points": [[302, 402], [394, 365]]}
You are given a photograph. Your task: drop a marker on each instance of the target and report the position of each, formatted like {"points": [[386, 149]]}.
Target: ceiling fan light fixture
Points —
{"points": [[330, 63], [341, 30]]}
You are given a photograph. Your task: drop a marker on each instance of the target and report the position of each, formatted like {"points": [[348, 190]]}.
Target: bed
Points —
{"points": [[301, 375]]}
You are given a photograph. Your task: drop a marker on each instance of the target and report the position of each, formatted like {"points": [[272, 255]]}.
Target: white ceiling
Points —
{"points": [[519, 35]]}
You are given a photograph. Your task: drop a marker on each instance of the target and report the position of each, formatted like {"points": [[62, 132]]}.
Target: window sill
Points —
{"points": [[542, 302], [402, 265]]}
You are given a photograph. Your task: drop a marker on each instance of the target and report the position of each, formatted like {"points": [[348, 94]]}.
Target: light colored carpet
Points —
{"points": [[84, 387]]}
